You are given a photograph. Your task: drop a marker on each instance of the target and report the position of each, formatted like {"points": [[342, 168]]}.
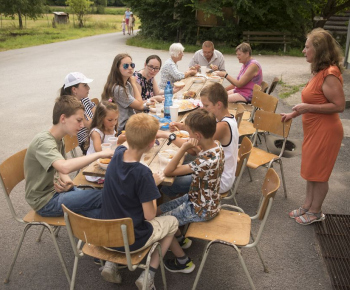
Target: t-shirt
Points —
{"points": [[38, 170], [170, 72], [204, 189], [84, 132], [146, 85], [124, 100], [128, 185], [217, 59]]}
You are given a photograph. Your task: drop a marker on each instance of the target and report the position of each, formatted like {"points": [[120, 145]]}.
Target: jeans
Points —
{"points": [[85, 202], [183, 210], [181, 185]]}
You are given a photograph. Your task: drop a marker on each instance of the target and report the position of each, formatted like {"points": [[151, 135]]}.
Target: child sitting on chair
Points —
{"points": [[202, 202], [130, 190]]}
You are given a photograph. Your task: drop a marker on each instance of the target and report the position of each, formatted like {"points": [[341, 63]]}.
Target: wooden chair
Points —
{"points": [[70, 143], [260, 101], [239, 114], [95, 100], [264, 86], [234, 229], [243, 156], [12, 173], [272, 123], [97, 234], [273, 85]]}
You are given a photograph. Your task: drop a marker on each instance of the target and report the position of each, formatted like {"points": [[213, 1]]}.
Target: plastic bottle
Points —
{"points": [[168, 95]]}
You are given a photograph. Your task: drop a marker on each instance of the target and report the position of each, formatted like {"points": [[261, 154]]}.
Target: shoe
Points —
{"points": [[110, 273], [149, 282], [98, 261], [297, 212], [185, 243], [310, 217], [174, 266]]}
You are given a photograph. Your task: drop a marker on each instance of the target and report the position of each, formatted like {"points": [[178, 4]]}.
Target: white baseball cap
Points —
{"points": [[75, 78]]}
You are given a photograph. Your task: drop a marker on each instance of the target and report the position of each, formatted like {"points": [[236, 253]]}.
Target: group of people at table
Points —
{"points": [[130, 187]]}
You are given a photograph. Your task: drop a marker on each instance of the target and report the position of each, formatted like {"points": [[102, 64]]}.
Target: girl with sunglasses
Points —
{"points": [[146, 82], [121, 88]]}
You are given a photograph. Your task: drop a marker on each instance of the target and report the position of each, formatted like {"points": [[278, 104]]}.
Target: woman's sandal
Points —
{"points": [[297, 212], [310, 217]]}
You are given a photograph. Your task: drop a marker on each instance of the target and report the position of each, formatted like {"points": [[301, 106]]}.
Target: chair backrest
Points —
{"points": [[272, 123], [239, 114], [256, 87], [12, 171], [264, 101], [273, 85], [264, 86], [243, 153], [107, 233], [269, 189], [95, 100], [70, 143]]}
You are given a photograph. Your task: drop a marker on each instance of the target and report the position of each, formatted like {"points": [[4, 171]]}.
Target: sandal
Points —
{"points": [[297, 212], [310, 217]]}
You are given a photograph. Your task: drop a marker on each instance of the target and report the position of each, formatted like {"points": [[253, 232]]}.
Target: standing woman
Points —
{"points": [[76, 84], [322, 100], [170, 72], [121, 88]]}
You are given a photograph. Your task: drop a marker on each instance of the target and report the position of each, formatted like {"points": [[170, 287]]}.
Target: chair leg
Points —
{"points": [[52, 234], [162, 267], [266, 270], [57, 230], [283, 179], [74, 273], [244, 267], [250, 175], [16, 252], [41, 233]]}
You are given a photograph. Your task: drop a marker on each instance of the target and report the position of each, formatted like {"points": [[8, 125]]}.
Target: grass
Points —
{"points": [[141, 41], [288, 90], [41, 31]]}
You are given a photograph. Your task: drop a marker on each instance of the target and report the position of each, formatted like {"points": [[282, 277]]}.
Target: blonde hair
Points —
{"points": [[141, 130], [327, 50]]}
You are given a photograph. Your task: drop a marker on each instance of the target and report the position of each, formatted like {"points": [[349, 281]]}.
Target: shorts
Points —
{"points": [[127, 21]]}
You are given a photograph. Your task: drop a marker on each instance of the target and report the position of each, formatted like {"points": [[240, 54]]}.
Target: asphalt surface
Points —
{"points": [[29, 83]]}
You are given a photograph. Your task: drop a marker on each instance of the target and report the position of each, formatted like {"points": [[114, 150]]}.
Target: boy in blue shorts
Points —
{"points": [[130, 190], [202, 202]]}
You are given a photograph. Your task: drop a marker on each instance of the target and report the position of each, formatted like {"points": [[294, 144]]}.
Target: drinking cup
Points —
{"points": [[174, 113], [106, 146], [159, 107], [113, 141], [203, 69]]}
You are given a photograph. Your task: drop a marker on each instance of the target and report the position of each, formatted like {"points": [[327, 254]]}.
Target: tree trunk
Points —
{"points": [[20, 18]]}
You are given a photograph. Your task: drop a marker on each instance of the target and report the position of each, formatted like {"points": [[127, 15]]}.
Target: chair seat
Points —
{"points": [[259, 157], [32, 216], [113, 256], [246, 128], [80, 180], [237, 231]]}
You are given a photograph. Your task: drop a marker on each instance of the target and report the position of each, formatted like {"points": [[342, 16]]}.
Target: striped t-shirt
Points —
{"points": [[83, 132]]}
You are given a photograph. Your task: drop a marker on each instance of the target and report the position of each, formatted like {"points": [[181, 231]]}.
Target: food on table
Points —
{"points": [[182, 134], [105, 160], [189, 95], [123, 132], [179, 84], [214, 78], [199, 80], [186, 105], [211, 65]]}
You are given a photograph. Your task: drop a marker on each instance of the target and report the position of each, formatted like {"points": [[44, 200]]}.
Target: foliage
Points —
{"points": [[80, 8], [28, 8]]}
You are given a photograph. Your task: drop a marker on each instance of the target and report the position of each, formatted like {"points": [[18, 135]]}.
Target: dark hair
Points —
{"points": [[203, 122], [153, 56], [215, 92], [114, 78], [327, 50], [65, 105], [67, 91]]}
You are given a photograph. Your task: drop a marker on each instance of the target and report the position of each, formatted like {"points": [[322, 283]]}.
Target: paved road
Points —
{"points": [[29, 83]]}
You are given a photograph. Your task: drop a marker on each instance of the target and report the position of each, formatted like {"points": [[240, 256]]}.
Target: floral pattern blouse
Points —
{"points": [[146, 85]]}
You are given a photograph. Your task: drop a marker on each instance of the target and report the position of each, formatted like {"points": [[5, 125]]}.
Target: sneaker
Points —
{"points": [[98, 261], [174, 266], [110, 273], [185, 243], [149, 283]]}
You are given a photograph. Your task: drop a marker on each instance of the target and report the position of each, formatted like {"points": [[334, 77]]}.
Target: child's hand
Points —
{"points": [[192, 142], [121, 139], [175, 126], [106, 153], [132, 80], [61, 186], [158, 177]]}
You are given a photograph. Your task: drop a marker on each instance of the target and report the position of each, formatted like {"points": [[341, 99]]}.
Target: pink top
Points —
{"points": [[247, 90]]}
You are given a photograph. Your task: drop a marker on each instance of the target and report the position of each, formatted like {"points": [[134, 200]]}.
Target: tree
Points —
{"points": [[28, 8], [80, 8]]}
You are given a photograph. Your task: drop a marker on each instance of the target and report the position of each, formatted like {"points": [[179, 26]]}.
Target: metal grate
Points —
{"points": [[334, 237]]}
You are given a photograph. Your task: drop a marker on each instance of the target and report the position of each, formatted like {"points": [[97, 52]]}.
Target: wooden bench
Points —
{"points": [[267, 37]]}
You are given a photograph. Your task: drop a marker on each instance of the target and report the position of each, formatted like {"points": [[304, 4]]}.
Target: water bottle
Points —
{"points": [[168, 95]]}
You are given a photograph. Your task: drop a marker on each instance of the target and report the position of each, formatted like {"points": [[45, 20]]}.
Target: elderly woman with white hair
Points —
{"points": [[170, 71]]}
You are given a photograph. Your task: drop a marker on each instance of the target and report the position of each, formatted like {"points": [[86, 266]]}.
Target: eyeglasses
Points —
{"points": [[126, 65], [153, 68]]}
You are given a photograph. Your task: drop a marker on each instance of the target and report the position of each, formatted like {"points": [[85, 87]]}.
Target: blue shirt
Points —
{"points": [[127, 185]]}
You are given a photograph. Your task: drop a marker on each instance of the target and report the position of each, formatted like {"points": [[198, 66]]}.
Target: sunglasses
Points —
{"points": [[153, 68], [126, 65]]}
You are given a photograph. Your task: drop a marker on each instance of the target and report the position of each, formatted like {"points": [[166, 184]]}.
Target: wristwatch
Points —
{"points": [[226, 75], [171, 138]]}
